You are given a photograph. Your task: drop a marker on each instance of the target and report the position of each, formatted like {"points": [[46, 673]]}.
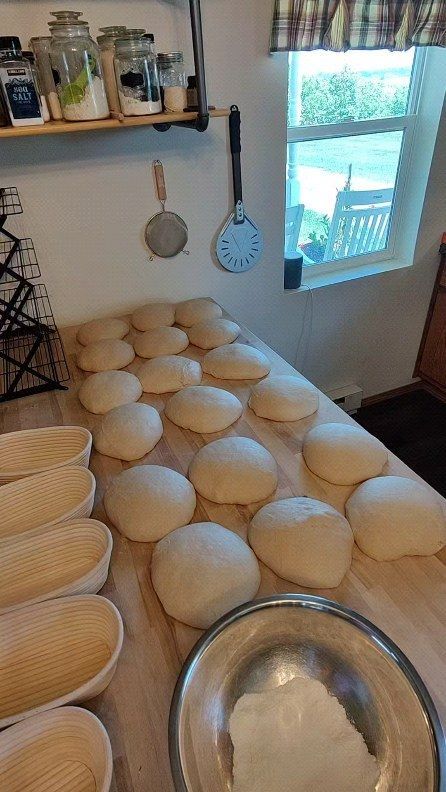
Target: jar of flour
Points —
{"points": [[137, 75]]}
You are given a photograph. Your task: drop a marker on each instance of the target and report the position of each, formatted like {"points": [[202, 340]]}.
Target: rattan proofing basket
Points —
{"points": [[32, 451]]}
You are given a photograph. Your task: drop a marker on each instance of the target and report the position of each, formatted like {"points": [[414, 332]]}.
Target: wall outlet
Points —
{"points": [[348, 398]]}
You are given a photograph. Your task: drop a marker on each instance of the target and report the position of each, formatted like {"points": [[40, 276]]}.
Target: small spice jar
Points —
{"points": [[137, 76], [107, 48], [173, 81], [40, 45]]}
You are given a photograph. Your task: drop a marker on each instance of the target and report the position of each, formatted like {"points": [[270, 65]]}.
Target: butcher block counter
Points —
{"points": [[406, 598]]}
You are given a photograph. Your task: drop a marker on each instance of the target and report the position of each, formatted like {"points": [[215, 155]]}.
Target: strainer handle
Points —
{"points": [[160, 181]]}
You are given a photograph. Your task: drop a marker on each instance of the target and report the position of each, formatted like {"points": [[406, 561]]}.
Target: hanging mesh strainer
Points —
{"points": [[166, 232]]}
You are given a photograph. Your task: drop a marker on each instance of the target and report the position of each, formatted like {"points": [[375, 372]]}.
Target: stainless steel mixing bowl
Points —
{"points": [[268, 642]]}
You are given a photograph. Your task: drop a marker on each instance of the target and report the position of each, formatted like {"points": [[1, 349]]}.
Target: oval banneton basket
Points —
{"points": [[33, 451], [45, 499], [56, 561], [56, 652], [63, 749]]}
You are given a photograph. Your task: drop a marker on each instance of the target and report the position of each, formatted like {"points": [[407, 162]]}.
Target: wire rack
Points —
{"points": [[10, 203], [20, 261]]}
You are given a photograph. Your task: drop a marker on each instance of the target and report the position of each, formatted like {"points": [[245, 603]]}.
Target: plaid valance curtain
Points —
{"points": [[357, 24]]}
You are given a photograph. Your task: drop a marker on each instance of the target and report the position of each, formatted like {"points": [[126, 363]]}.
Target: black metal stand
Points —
{"points": [[31, 352]]}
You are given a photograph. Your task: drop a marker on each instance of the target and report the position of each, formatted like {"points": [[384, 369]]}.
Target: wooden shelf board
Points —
{"points": [[59, 127]]}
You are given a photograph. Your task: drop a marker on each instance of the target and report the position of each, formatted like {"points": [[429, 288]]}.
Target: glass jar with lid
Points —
{"points": [[76, 62], [40, 45], [137, 76], [107, 48], [173, 81]]}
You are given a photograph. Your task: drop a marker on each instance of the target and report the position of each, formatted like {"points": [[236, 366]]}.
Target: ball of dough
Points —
{"points": [[153, 315], [393, 517], [203, 409], [98, 329], [128, 432], [100, 392], [236, 361], [105, 355], [234, 470], [169, 373], [200, 309], [303, 540], [161, 341], [202, 571], [148, 501], [343, 454], [213, 333], [284, 398]]}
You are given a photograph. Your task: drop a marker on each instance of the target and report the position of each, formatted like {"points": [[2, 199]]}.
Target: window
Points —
{"points": [[351, 121]]}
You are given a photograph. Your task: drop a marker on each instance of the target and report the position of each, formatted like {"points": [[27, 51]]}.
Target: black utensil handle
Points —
{"points": [[234, 136]]}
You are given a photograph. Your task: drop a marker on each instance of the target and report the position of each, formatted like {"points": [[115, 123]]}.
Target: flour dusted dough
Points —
{"points": [[303, 540], [202, 571], [148, 501], [200, 309], [152, 315], [297, 738], [105, 355], [98, 329], [161, 341], [169, 373], [343, 454], [236, 361], [392, 516], [100, 392], [284, 398], [203, 409], [128, 432], [234, 470], [213, 333]]}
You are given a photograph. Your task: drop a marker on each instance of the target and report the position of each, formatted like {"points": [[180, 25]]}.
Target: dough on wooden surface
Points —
{"points": [[169, 373], [104, 390], [148, 501], [98, 329], [236, 361], [303, 540], [161, 341], [213, 333], [128, 432], [203, 409], [234, 470], [199, 309], [284, 397], [392, 516], [158, 314], [202, 571], [105, 355], [343, 454]]}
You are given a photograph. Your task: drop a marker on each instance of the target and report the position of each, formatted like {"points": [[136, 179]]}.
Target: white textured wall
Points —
{"points": [[87, 197]]}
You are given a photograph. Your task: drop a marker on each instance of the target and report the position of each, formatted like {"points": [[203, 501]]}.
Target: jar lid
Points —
{"points": [[150, 37], [66, 19], [132, 43], [39, 38], [109, 31], [11, 43], [170, 57]]}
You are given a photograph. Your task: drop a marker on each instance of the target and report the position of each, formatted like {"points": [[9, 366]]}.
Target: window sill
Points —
{"points": [[315, 280]]}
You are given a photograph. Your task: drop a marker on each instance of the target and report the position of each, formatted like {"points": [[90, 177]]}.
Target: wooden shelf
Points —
{"points": [[59, 127]]}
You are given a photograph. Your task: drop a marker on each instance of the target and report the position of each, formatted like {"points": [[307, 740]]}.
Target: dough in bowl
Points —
{"points": [[392, 516], [104, 390], [202, 571], [213, 333], [303, 540], [284, 398], [128, 432], [158, 314], [236, 361], [203, 409], [234, 470], [98, 329], [200, 309], [343, 454], [161, 341], [148, 501], [105, 355], [169, 373]]}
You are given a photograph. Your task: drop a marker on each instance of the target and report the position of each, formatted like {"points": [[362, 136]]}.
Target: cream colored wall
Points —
{"points": [[87, 198]]}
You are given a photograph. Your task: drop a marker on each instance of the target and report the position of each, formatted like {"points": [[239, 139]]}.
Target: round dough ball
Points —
{"points": [[128, 432], [98, 329], [169, 373], [202, 571], [161, 341], [100, 392], [153, 315], [203, 409], [234, 470], [236, 361], [147, 502], [343, 454], [284, 398], [213, 333], [200, 309], [105, 355], [393, 517], [303, 540]]}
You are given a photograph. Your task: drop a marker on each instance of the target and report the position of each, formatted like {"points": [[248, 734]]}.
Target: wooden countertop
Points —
{"points": [[404, 598]]}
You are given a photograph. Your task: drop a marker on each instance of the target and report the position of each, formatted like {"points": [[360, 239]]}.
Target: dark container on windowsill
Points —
{"points": [[292, 278]]}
